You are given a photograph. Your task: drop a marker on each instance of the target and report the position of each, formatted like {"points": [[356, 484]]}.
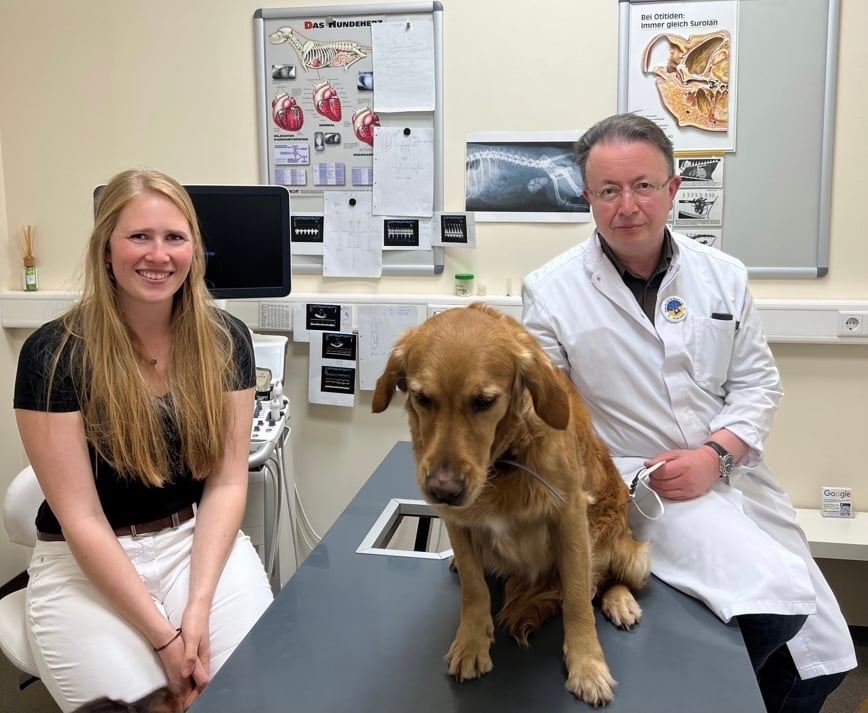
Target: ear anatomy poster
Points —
{"points": [[682, 65]]}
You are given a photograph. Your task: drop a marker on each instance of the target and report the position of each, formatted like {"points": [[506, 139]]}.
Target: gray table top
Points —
{"points": [[367, 634]]}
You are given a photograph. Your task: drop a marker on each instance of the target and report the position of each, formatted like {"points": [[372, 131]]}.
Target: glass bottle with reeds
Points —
{"points": [[27, 236]]}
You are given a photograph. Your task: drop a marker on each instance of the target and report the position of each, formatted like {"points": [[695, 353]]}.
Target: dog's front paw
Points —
{"points": [[468, 656], [620, 607], [589, 679]]}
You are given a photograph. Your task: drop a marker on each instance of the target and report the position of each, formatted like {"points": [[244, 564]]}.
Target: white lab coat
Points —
{"points": [[669, 385]]}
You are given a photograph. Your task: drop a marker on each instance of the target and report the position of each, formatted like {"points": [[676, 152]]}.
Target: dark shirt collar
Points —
{"points": [[663, 263]]}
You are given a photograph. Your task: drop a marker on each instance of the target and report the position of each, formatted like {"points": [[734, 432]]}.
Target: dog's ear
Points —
{"points": [[483, 307], [393, 377], [551, 401]]}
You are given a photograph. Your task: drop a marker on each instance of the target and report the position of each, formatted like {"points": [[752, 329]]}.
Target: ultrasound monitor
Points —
{"points": [[245, 230]]}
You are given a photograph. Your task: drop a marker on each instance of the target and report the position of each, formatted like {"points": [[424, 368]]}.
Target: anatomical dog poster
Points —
{"points": [[320, 102], [524, 177], [681, 74]]}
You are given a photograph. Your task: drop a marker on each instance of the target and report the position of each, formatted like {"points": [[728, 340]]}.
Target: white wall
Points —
{"points": [[90, 88]]}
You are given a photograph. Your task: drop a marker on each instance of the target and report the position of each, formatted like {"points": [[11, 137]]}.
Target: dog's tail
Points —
{"points": [[527, 605]]}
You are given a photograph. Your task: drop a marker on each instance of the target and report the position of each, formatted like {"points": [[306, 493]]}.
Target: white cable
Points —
{"points": [[643, 476], [285, 495], [304, 514], [310, 545], [274, 534]]}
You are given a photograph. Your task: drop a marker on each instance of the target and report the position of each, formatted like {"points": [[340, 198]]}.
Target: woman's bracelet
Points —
{"points": [[158, 649]]}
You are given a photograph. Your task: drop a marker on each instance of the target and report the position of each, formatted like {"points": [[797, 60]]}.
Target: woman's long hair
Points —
{"points": [[123, 420]]}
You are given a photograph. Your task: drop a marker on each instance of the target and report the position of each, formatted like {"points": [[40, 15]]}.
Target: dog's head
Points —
{"points": [[163, 700], [468, 374]]}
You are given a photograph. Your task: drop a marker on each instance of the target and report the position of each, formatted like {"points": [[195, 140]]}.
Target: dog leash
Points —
{"points": [[536, 475]]}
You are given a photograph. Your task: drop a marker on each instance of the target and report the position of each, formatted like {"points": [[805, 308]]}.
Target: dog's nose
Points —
{"points": [[444, 486]]}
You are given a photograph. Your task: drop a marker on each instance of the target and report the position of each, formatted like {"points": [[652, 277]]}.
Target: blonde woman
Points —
{"points": [[134, 409]]}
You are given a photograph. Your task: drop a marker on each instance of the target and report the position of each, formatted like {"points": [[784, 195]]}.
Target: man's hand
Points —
{"points": [[686, 474]]}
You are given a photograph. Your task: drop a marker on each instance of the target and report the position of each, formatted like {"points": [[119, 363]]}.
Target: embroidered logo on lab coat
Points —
{"points": [[674, 309]]}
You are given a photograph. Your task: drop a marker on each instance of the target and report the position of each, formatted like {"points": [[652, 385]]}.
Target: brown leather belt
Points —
{"points": [[143, 528]]}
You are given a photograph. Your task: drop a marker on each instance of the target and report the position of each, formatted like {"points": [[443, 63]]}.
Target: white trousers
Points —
{"points": [[84, 649]]}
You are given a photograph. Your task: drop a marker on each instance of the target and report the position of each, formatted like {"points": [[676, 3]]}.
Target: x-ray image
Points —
{"points": [[365, 82], [524, 180], [281, 72]]}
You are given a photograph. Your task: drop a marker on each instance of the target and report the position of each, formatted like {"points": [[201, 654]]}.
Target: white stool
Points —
{"points": [[22, 500]]}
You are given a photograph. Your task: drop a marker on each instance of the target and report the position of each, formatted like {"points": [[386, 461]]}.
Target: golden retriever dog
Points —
{"points": [[163, 700], [506, 454]]}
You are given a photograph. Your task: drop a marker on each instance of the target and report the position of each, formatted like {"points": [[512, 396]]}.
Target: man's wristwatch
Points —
{"points": [[727, 462]]}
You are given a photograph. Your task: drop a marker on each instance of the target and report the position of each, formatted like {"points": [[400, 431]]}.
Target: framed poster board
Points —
{"points": [[777, 180], [316, 92]]}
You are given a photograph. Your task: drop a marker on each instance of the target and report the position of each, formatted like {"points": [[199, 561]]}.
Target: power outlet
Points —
{"points": [[852, 324], [437, 309]]}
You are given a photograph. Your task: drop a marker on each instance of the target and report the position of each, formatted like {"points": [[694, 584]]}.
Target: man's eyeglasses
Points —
{"points": [[641, 190]]}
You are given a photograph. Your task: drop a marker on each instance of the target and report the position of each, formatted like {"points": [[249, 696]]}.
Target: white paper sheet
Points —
{"points": [[332, 369], [403, 55], [454, 229], [352, 243], [403, 171], [379, 328]]}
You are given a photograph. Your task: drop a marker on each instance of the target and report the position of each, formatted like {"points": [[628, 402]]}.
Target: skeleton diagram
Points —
{"points": [[317, 55], [499, 178]]}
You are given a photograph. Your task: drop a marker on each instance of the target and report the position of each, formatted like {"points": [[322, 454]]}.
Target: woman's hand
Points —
{"points": [[197, 643], [172, 658]]}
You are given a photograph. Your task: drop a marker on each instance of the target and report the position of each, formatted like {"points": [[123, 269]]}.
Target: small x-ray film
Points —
{"points": [[700, 171], [698, 207], [338, 345], [332, 368], [306, 233], [365, 82], [454, 230], [311, 318], [406, 233], [323, 317], [282, 72]]}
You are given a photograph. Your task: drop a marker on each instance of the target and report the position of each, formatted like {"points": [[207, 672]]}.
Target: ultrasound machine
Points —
{"points": [[246, 234]]}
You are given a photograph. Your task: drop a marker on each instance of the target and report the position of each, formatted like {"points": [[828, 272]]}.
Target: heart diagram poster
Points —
{"points": [[320, 87], [682, 64]]}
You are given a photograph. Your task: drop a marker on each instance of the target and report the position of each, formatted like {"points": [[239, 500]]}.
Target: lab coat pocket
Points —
{"points": [[712, 351]]}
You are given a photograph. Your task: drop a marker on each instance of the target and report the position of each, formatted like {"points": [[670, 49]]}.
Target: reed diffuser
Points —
{"points": [[27, 236]]}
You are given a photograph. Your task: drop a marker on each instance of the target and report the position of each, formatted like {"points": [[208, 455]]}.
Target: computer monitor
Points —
{"points": [[245, 230]]}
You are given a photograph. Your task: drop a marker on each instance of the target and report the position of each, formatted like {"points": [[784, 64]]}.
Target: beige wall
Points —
{"points": [[91, 87]]}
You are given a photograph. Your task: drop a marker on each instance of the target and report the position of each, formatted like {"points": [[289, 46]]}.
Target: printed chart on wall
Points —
{"points": [[697, 210], [322, 103], [682, 70], [335, 82]]}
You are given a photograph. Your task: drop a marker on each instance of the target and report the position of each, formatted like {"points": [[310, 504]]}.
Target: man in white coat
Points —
{"points": [[661, 337]]}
